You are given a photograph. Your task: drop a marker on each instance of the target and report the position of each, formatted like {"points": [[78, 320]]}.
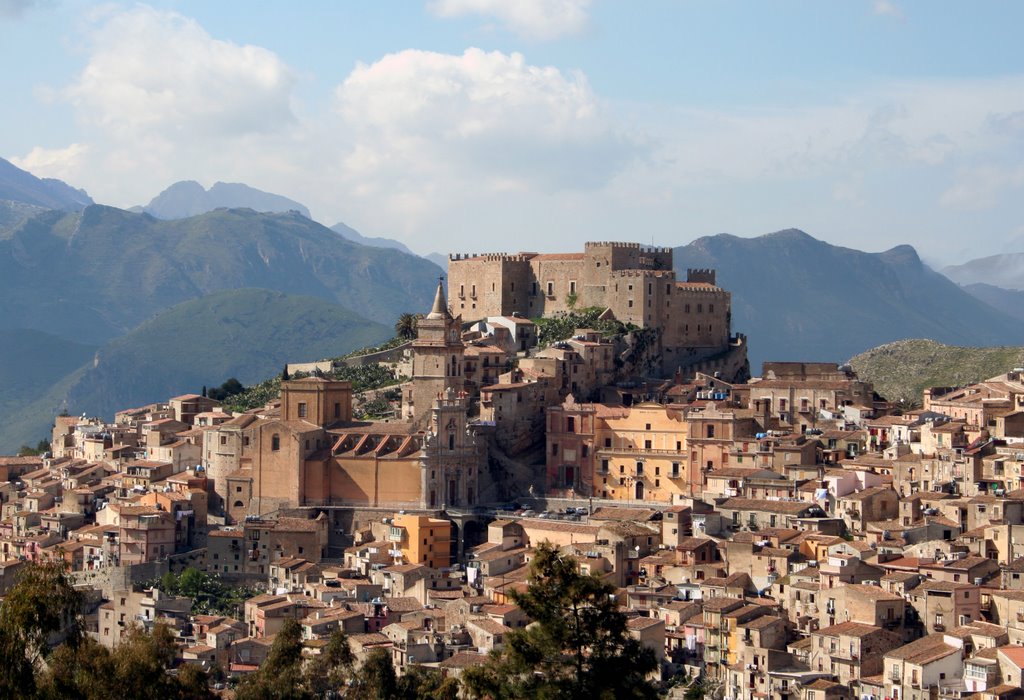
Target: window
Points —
{"points": [[710, 431], [607, 442], [570, 425], [675, 469], [572, 286], [551, 289], [554, 449], [275, 442], [337, 410], [302, 409], [647, 444], [639, 468]]}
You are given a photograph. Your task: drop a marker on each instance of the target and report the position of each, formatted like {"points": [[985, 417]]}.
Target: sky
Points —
{"points": [[488, 125]]}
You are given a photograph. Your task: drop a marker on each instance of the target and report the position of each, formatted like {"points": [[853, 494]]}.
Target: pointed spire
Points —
{"points": [[440, 308]]}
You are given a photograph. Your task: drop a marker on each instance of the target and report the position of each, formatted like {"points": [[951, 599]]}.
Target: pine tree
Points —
{"points": [[578, 647]]}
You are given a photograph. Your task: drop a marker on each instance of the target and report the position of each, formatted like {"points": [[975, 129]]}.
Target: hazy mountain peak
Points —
{"points": [[21, 186], [188, 198]]}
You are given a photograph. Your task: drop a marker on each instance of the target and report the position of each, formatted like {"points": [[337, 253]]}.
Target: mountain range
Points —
{"points": [[799, 298]]}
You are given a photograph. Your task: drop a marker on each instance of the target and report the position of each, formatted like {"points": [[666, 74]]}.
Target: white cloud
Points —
{"points": [[884, 8], [62, 163], [482, 119], [980, 187], [159, 73], [534, 19]]}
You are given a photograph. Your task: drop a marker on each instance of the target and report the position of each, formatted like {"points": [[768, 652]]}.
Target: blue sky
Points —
{"points": [[473, 125]]}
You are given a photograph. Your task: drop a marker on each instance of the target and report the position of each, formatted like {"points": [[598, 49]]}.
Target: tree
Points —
{"points": [[419, 683], [328, 672], [40, 611], [375, 679], [280, 675], [578, 647], [405, 326]]}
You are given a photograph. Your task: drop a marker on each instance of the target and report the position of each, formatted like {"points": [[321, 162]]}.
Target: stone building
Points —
{"points": [[637, 285]]}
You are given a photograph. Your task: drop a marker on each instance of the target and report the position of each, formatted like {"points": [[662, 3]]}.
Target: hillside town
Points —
{"points": [[786, 535]]}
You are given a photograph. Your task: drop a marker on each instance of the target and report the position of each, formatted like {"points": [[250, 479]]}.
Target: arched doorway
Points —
{"points": [[639, 491]]}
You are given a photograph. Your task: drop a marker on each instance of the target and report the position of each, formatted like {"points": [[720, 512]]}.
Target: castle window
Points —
{"points": [[570, 425], [650, 288], [302, 409], [492, 286], [711, 308], [572, 286], [629, 288], [700, 308], [462, 290], [551, 289], [275, 442], [512, 286], [451, 441], [337, 410], [668, 288], [472, 291], [631, 303], [686, 308]]}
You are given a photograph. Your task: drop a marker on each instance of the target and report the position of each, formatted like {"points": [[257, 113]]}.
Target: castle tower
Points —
{"points": [[436, 359]]}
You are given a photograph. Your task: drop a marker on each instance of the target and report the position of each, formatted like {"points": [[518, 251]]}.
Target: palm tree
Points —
{"points": [[405, 326]]}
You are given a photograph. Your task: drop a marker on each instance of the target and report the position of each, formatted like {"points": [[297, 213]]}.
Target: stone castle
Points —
{"points": [[636, 284]]}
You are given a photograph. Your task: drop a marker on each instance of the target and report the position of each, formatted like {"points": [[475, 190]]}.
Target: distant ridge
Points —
{"points": [[799, 298], [17, 185], [188, 198], [351, 234], [1005, 270]]}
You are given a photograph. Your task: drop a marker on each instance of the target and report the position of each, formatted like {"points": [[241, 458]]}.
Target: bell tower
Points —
{"points": [[437, 356]]}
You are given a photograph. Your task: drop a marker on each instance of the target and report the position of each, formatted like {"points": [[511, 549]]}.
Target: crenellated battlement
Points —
{"points": [[625, 245], [491, 257], [700, 274]]}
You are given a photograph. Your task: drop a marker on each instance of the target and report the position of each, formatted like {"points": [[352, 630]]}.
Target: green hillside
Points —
{"points": [[32, 362], [900, 371], [244, 333]]}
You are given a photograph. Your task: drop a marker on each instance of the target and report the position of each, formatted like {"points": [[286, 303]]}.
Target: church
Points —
{"points": [[312, 453]]}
